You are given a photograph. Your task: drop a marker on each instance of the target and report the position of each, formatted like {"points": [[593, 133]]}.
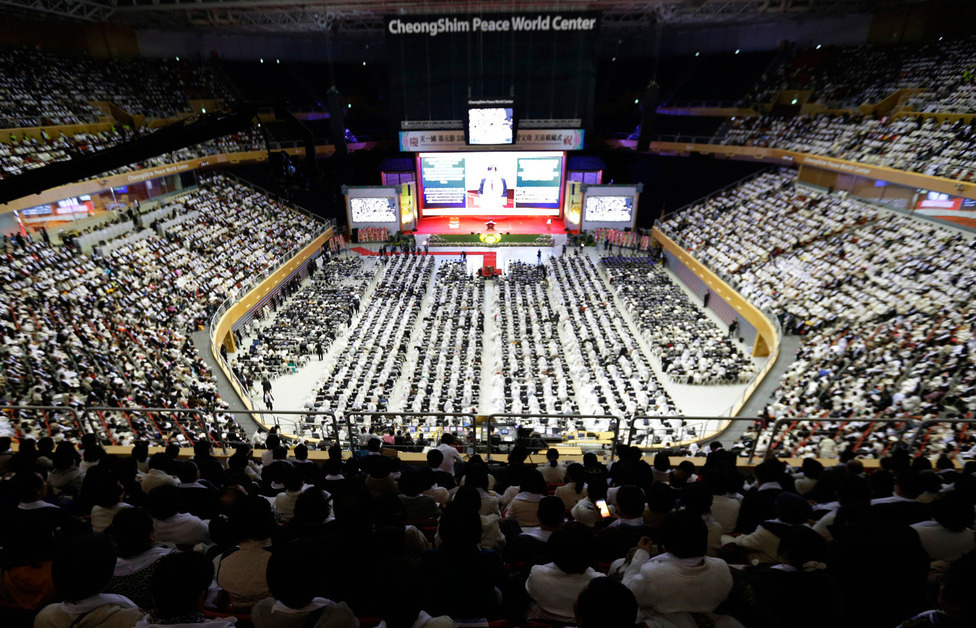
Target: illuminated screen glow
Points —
{"points": [[490, 126], [497, 183], [372, 209], [608, 208]]}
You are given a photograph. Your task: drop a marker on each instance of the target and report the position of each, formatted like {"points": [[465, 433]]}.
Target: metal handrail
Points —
{"points": [[781, 422], [199, 412], [924, 425], [519, 415], [275, 413], [705, 435], [70, 409], [473, 416]]}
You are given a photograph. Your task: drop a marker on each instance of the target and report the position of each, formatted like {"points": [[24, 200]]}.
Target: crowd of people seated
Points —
{"points": [[915, 144], [942, 70], [274, 539], [613, 375], [307, 323], [531, 373], [39, 88], [24, 154], [362, 367], [883, 305], [443, 366], [689, 345], [83, 330]]}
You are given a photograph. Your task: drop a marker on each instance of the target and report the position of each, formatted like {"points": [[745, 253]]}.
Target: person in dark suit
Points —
{"points": [[759, 503], [622, 534], [903, 506], [198, 495]]}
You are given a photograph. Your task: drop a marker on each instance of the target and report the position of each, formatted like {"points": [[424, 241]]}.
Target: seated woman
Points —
{"points": [[575, 488], [242, 571], [139, 556], [524, 508], [950, 534], [298, 595], [555, 586]]}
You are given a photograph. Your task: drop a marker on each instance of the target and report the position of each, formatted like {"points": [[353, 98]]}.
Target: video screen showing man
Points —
{"points": [[493, 190]]}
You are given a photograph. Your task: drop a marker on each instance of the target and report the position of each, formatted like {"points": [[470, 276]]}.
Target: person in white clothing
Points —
{"points": [[555, 586], [173, 526], [950, 534], [158, 474], [682, 579], [451, 455]]}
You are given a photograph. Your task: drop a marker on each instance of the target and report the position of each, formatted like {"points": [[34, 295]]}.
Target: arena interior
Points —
{"points": [[602, 314]]}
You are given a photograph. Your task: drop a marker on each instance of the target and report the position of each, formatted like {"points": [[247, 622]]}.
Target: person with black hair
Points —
{"points": [[179, 589], [109, 495], [682, 579], [401, 606], [553, 471], [762, 545], [476, 476], [950, 533], [158, 474], [140, 452], [524, 508], [605, 603], [624, 532], [957, 604], [450, 453], [435, 460], [575, 488], [811, 470], [312, 519], [298, 594], [758, 504], [197, 495], [461, 576], [80, 571], [416, 505], [33, 508], [555, 586], [138, 556], [903, 506], [173, 525], [284, 502], [726, 500], [242, 572], [586, 510]]}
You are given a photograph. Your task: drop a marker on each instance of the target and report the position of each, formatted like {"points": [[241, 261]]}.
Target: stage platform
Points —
{"points": [[503, 224]]}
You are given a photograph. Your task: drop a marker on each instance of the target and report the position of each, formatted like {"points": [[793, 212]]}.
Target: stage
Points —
{"points": [[503, 224]]}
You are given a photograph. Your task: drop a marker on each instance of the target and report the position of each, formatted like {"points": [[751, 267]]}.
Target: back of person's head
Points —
{"points": [[401, 604], [312, 507], [662, 462], [953, 512], [132, 529], [606, 603], [812, 468], [931, 482], [435, 458], [107, 491], [83, 566], [518, 455], [921, 464], [410, 482], [909, 483], [202, 448], [660, 498], [301, 452], [256, 519], [573, 548], [847, 455], [187, 471], [292, 479], [29, 487], [468, 498], [88, 440], [696, 498], [630, 502], [272, 441], [477, 477], [553, 457], [140, 451], [290, 580], [5, 442], [684, 534], [45, 446], [279, 453], [552, 511], [93, 454], [388, 511], [533, 482], [172, 451], [943, 463], [882, 483], [853, 491], [447, 439], [63, 459], [160, 461], [793, 509], [769, 470], [956, 597], [576, 475], [460, 528], [164, 502], [803, 548], [180, 584]]}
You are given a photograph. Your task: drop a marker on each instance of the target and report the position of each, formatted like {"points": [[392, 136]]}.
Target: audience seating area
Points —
{"points": [[882, 303], [690, 346], [82, 330], [43, 88], [166, 539]]}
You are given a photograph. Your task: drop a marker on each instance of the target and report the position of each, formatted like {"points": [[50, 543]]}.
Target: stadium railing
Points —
{"points": [[499, 419]]}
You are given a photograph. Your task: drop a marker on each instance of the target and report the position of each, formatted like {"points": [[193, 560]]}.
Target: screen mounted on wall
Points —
{"points": [[490, 123], [491, 182], [608, 208], [365, 209]]}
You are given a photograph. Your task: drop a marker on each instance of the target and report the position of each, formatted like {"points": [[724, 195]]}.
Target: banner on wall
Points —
{"points": [[527, 139]]}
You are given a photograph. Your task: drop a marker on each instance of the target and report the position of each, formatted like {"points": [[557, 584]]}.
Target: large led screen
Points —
{"points": [[608, 209], [496, 183], [372, 209]]}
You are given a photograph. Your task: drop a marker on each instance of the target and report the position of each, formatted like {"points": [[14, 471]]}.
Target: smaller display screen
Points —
{"points": [[608, 208], [375, 209], [491, 125]]}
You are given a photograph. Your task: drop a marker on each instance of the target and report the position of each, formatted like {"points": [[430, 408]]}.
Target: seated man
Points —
{"points": [[179, 589], [555, 586], [80, 573], [682, 579]]}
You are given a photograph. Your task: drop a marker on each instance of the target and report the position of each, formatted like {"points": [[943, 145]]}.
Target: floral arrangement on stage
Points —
{"points": [[495, 239]]}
